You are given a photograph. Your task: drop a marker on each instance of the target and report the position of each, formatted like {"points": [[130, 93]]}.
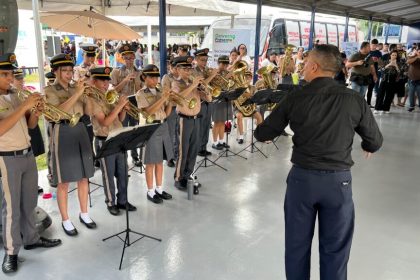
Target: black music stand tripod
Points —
{"points": [[228, 97], [122, 143], [262, 97]]}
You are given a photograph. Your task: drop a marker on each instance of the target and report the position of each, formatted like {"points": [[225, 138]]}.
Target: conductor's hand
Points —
{"points": [[368, 155]]}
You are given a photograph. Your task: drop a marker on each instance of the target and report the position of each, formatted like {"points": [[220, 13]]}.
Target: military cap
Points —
{"points": [[18, 73], [151, 70], [183, 61], [101, 73], [61, 60], [50, 76], [202, 52], [126, 49], [223, 59], [8, 61], [89, 49]]}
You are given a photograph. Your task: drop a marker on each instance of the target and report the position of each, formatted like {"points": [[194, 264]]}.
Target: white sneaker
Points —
{"points": [[376, 112], [387, 112]]}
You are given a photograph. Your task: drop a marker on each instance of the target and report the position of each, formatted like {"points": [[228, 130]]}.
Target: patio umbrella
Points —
{"points": [[88, 24]]}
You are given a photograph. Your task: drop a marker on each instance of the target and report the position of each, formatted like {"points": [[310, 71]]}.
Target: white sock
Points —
{"points": [[159, 189], [85, 217], [215, 142], [151, 192], [68, 225], [241, 137]]}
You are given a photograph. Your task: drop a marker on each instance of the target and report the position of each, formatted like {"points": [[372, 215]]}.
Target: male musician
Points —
{"points": [[172, 119], [126, 81], [324, 116], [18, 169], [106, 118], [286, 66], [189, 120], [239, 115], [221, 111], [201, 70], [82, 71]]}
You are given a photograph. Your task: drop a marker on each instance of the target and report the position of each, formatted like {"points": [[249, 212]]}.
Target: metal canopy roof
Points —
{"points": [[394, 11]]}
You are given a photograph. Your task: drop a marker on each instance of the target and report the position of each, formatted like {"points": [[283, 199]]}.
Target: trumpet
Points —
{"points": [[190, 102], [110, 96], [136, 112], [50, 111]]}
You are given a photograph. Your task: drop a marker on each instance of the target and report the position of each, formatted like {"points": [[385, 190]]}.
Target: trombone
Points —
{"points": [[110, 96], [179, 99], [136, 112], [50, 111]]}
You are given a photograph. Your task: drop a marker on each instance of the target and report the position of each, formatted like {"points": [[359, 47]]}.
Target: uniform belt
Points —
{"points": [[189, 117], [16, 153], [321, 170], [159, 121], [204, 102]]}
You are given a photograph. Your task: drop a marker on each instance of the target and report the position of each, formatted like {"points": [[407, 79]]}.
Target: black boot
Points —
{"points": [[10, 263]]}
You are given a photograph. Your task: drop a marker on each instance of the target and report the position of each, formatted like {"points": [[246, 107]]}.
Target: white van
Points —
{"points": [[285, 28]]}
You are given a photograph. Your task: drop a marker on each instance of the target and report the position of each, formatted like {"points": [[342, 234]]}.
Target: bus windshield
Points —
{"points": [[239, 23]]}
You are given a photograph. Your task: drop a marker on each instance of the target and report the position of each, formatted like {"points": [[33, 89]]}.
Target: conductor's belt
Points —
{"points": [[189, 117], [16, 153], [101, 138]]}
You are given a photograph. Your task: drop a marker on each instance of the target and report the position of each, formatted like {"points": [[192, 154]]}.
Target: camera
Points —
{"points": [[366, 60]]}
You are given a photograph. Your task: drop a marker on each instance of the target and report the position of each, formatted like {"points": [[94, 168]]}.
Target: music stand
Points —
{"points": [[229, 96], [124, 141], [262, 97]]}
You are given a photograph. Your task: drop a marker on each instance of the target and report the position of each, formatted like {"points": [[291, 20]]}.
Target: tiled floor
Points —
{"points": [[234, 229]]}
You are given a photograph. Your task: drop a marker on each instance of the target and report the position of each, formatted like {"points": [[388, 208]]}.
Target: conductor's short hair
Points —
{"points": [[328, 57]]}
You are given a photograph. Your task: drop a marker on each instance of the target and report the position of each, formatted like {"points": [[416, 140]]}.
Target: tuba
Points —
{"points": [[265, 73], [286, 59], [239, 78], [50, 111]]}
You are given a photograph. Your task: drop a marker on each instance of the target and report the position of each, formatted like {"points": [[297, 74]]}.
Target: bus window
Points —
{"points": [[320, 33], [332, 34], [305, 27], [277, 38], [293, 34], [340, 34], [352, 33]]}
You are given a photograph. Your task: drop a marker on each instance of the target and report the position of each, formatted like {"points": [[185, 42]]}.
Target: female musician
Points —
{"points": [[106, 118], [159, 146], [71, 157], [219, 114]]}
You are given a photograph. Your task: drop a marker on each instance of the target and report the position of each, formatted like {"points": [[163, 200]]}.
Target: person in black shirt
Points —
{"points": [[377, 62], [324, 116]]}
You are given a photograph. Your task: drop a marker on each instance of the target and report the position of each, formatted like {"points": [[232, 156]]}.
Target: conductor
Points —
{"points": [[324, 116]]}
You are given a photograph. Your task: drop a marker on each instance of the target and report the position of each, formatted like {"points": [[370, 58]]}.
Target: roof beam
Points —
{"points": [[403, 8], [374, 4]]}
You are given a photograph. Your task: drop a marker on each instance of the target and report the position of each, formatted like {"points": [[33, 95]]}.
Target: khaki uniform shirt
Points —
{"points": [[146, 97], [17, 138], [130, 88], [178, 86], [57, 95], [102, 107], [360, 69], [166, 83], [81, 71], [198, 72]]}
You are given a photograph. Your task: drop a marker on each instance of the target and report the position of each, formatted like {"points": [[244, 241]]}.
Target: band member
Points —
{"points": [[201, 70], [18, 170], [159, 146], [221, 111], [189, 122], [126, 80], [37, 143], [172, 119], [286, 66], [106, 118], [81, 72], [71, 156], [265, 81], [233, 56], [240, 116]]}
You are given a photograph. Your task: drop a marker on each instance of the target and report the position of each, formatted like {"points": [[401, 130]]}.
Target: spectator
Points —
{"points": [[385, 50], [341, 76], [376, 55], [139, 57], [270, 58], [413, 79], [362, 67]]}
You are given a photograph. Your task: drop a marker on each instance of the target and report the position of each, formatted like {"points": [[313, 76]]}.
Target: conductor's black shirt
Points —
{"points": [[324, 116]]}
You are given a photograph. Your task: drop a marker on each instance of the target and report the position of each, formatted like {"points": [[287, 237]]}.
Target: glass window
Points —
{"points": [[305, 27], [320, 33], [277, 38], [293, 34], [332, 34]]}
